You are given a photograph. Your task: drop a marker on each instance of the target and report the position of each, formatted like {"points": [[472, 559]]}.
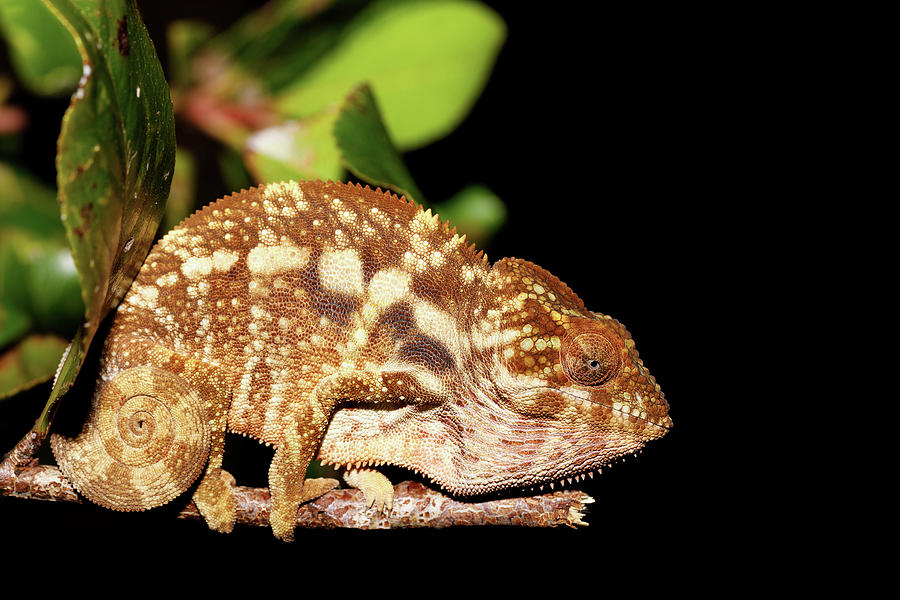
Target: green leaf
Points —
{"points": [[52, 284], [270, 46], [366, 147], [15, 320], [32, 361], [427, 62], [14, 323], [27, 204], [224, 84], [42, 52], [292, 150], [115, 161], [476, 211], [38, 282]]}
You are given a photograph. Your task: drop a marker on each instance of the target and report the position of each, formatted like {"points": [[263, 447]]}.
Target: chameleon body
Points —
{"points": [[339, 322]]}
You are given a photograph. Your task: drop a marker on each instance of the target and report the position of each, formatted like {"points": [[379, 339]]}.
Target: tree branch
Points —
{"points": [[414, 504]]}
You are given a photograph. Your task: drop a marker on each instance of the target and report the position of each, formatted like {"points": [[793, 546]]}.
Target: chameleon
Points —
{"points": [[341, 323]]}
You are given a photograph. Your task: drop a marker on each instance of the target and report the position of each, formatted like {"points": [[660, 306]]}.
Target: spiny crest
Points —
{"points": [[384, 197]]}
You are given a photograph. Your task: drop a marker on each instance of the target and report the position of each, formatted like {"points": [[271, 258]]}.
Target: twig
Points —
{"points": [[414, 504]]}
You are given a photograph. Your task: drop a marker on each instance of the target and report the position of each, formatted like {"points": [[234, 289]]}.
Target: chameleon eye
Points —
{"points": [[590, 358]]}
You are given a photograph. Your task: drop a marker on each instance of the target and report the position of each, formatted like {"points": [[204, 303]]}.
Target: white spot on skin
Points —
{"points": [[196, 267], [434, 322], [144, 296], [341, 271], [388, 286], [168, 279], [289, 189], [424, 221], [224, 260], [269, 260]]}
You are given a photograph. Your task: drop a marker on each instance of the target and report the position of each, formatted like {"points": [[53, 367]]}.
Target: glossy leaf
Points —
{"points": [[53, 288], [14, 323], [224, 83], [366, 147], [295, 151], [27, 204], [30, 362], [15, 320], [43, 54], [426, 61], [267, 48], [115, 160], [476, 211], [38, 282]]}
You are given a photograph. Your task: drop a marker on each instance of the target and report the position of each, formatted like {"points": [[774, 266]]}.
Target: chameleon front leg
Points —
{"points": [[302, 438], [287, 485], [377, 489]]}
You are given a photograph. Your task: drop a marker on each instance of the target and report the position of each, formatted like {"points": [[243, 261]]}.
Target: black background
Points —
{"points": [[613, 137]]}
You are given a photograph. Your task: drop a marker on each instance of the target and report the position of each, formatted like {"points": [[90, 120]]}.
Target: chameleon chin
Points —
{"points": [[333, 321]]}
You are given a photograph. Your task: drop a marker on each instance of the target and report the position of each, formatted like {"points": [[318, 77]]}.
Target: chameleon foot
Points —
{"points": [[376, 487], [313, 488], [215, 500]]}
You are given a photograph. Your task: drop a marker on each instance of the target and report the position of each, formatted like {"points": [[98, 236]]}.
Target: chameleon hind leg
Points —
{"points": [[152, 427], [214, 497]]}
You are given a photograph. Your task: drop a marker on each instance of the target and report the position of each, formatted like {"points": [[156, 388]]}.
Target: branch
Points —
{"points": [[414, 504]]}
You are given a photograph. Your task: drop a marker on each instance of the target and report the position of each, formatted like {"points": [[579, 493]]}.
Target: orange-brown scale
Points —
{"points": [[220, 305], [522, 419], [300, 300]]}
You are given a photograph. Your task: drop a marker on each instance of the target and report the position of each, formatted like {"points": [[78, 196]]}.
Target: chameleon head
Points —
{"points": [[584, 372], [550, 391], [577, 392]]}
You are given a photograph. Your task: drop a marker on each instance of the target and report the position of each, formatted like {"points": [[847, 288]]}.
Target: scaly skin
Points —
{"points": [[336, 321]]}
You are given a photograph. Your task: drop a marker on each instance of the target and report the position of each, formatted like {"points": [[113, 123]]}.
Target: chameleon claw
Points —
{"points": [[376, 488]]}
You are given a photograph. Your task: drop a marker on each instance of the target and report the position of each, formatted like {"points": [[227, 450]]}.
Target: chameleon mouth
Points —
{"points": [[624, 410]]}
